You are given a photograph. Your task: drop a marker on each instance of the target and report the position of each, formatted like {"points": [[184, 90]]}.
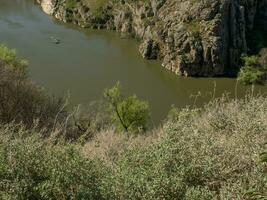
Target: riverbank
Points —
{"points": [[50, 152], [191, 38]]}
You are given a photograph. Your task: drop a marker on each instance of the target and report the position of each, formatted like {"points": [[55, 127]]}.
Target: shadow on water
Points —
{"points": [[88, 61]]}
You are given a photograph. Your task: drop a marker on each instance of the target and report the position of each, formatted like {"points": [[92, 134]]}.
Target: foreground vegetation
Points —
{"points": [[215, 152]]}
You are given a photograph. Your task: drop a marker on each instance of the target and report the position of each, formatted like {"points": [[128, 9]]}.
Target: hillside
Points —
{"points": [[48, 151], [191, 38]]}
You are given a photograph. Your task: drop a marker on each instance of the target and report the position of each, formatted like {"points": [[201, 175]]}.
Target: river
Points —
{"points": [[88, 61]]}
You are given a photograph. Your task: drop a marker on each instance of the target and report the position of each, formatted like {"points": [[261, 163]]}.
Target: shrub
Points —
{"points": [[198, 157], [252, 72], [9, 57], [195, 157], [129, 113], [146, 173], [31, 168], [249, 75], [20, 99]]}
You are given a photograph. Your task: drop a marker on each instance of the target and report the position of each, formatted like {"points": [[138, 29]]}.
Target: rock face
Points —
{"points": [[192, 38], [149, 49], [48, 6]]}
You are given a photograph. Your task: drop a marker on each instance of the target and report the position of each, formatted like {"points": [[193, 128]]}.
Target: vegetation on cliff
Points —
{"points": [[214, 152]]}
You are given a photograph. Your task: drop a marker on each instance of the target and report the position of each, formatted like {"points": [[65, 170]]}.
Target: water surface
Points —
{"points": [[88, 61]]}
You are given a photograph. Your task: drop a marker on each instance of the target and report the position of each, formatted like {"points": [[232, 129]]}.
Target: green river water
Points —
{"points": [[88, 61]]}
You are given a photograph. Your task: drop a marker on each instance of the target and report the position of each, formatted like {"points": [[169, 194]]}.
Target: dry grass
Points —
{"points": [[215, 149], [202, 154], [110, 144]]}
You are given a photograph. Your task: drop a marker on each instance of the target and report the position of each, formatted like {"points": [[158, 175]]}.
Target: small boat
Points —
{"points": [[55, 40]]}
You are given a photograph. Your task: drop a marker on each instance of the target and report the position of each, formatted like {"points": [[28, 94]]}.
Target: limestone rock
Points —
{"points": [[48, 6]]}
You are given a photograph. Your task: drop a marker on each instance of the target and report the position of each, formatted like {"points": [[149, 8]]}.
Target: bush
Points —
{"points": [[203, 154], [20, 100], [128, 113], [9, 57], [31, 168], [252, 72], [209, 153]]}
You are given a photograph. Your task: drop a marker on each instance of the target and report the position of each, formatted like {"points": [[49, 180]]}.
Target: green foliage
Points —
{"points": [[9, 57], [249, 75], [198, 193], [129, 113], [195, 157], [33, 169], [146, 173], [208, 153], [251, 72]]}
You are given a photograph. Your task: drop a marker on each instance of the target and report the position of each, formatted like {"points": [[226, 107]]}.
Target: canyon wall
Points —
{"points": [[190, 37]]}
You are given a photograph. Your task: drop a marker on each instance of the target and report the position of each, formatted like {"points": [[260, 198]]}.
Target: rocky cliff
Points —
{"points": [[191, 37]]}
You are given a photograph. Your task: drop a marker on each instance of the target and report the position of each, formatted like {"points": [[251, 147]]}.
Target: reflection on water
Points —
{"points": [[87, 61]]}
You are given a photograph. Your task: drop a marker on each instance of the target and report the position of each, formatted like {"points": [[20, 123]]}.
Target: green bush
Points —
{"points": [[31, 168], [147, 173], [197, 157], [129, 113], [249, 75], [252, 72], [193, 157], [9, 57]]}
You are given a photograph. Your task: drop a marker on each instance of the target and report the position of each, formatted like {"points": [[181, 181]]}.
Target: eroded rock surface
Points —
{"points": [[191, 37]]}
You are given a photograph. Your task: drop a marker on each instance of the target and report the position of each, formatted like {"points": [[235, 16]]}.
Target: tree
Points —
{"points": [[128, 113]]}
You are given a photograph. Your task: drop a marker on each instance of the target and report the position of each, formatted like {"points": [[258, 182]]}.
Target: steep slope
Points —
{"points": [[191, 37]]}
